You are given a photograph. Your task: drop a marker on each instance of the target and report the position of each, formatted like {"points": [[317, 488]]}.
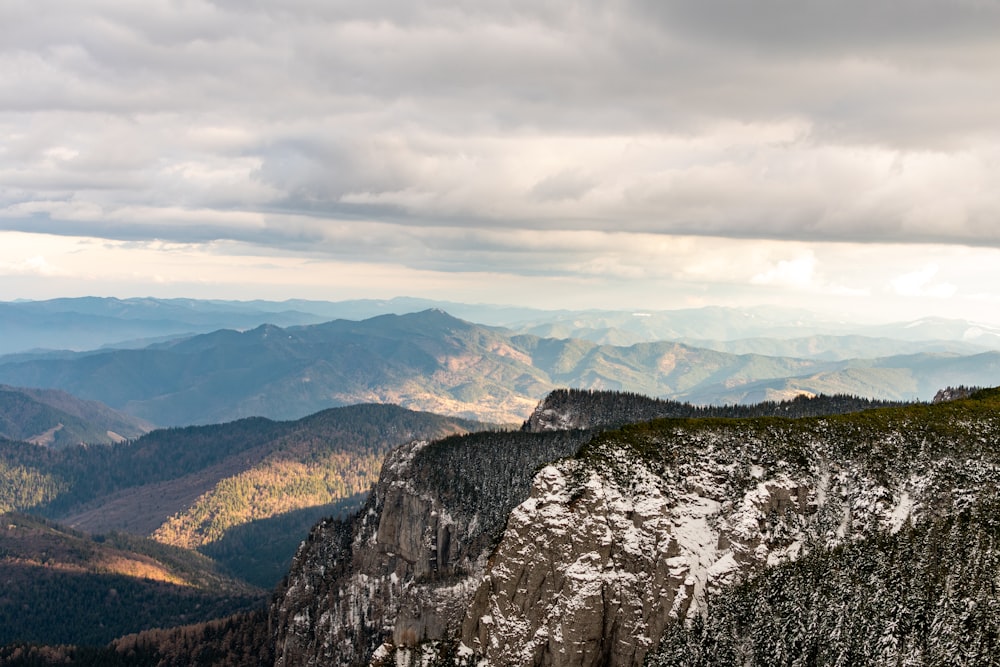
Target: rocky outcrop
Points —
{"points": [[954, 393], [404, 570], [505, 550], [643, 526], [581, 571], [355, 585]]}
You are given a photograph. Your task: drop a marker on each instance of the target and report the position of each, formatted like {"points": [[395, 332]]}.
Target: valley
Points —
{"points": [[66, 587], [664, 495], [632, 542], [499, 334], [197, 486]]}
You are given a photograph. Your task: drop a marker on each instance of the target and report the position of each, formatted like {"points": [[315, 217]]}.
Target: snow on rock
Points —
{"points": [[572, 576], [391, 585], [605, 549], [602, 556]]}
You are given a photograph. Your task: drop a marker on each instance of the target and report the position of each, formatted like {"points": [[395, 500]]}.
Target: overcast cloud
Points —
{"points": [[521, 138]]}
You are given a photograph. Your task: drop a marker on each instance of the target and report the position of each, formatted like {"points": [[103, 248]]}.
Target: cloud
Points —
{"points": [[520, 138], [36, 265], [920, 284], [797, 272]]}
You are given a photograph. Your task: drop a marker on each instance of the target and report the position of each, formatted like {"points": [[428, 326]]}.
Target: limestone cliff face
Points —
{"points": [[353, 586], [405, 569], [582, 571], [633, 534]]}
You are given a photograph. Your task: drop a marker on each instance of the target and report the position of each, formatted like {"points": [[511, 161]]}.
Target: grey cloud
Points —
{"points": [[500, 116], [846, 28], [568, 184]]}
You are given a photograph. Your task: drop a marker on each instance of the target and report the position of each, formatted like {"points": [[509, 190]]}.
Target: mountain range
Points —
{"points": [[86, 323], [435, 362], [703, 487]]}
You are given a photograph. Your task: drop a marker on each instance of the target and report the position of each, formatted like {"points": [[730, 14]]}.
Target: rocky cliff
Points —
{"points": [[405, 569], [637, 530], [610, 544]]}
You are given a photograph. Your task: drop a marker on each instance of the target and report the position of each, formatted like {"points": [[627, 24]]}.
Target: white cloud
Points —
{"points": [[797, 272], [571, 269], [36, 265], [921, 283]]}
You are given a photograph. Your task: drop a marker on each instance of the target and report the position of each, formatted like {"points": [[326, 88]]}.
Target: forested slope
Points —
{"points": [[201, 486], [61, 586], [56, 419], [843, 538], [925, 595]]}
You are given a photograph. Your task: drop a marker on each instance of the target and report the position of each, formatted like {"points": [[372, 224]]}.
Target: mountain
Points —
{"points": [[245, 492], [435, 362], [838, 348], [901, 377], [87, 323], [56, 419], [611, 551], [400, 570], [91, 322], [940, 328], [63, 586], [426, 359], [761, 330], [712, 322]]}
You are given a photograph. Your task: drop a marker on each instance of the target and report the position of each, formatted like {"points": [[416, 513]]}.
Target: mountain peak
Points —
{"points": [[434, 313], [431, 318]]}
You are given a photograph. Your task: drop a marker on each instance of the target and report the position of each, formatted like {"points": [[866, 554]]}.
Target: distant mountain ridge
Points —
{"points": [[837, 348], [88, 323], [92, 322], [435, 362]]}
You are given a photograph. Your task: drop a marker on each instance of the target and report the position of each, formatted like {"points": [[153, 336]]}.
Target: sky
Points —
{"points": [[655, 154]]}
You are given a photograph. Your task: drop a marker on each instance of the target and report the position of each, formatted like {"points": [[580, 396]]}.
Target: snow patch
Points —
{"points": [[901, 512]]}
